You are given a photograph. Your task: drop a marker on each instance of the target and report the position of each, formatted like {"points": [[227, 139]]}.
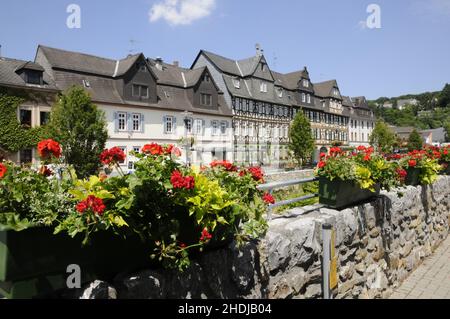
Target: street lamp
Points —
{"points": [[186, 119]]}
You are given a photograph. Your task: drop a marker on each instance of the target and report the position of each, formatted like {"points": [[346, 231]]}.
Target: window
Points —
{"points": [[263, 87], [198, 127], [280, 93], [122, 118], [237, 83], [86, 84], [130, 165], [44, 118], [124, 149], [206, 78], [26, 156], [303, 97], [141, 66], [169, 124], [263, 67], [33, 77], [305, 83], [25, 118], [188, 125], [206, 99], [309, 98], [136, 122], [215, 127], [137, 149], [223, 128], [336, 92], [140, 91]]}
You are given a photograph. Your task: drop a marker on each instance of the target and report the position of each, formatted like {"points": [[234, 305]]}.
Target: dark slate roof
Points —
{"points": [[323, 89], [224, 64], [347, 101], [361, 102], [249, 65], [81, 62], [10, 77]]}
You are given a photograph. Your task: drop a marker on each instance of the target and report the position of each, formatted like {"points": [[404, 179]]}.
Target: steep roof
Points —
{"points": [[323, 89], [224, 64], [10, 76], [347, 101]]}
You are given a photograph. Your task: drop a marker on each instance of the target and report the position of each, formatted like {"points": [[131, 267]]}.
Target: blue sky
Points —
{"points": [[409, 54]]}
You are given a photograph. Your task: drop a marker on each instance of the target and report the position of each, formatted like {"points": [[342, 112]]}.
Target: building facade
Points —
{"points": [[147, 100], [362, 121], [29, 81]]}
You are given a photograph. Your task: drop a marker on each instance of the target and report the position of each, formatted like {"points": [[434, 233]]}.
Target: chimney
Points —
{"points": [[159, 63], [176, 63], [259, 51]]}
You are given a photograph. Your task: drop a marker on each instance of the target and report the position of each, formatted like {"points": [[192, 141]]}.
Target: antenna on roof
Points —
{"points": [[275, 60]]}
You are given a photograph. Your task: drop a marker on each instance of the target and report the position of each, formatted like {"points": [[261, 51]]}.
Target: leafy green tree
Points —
{"points": [[415, 141], [301, 141], [444, 97], [80, 127], [447, 131], [382, 137]]}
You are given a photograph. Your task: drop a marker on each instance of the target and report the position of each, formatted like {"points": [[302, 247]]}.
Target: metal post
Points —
{"points": [[326, 260], [269, 209]]}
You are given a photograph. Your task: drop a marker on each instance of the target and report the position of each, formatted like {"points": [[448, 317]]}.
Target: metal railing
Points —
{"points": [[270, 187]]}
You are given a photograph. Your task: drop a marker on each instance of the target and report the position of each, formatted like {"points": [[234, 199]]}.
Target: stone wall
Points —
{"points": [[378, 243], [284, 176]]}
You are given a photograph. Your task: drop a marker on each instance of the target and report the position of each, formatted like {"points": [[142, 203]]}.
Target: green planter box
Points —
{"points": [[339, 194], [34, 262], [412, 178]]}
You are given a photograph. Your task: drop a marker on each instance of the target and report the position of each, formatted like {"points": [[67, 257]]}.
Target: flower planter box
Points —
{"points": [[412, 179], [338, 194], [446, 170], [34, 262]]}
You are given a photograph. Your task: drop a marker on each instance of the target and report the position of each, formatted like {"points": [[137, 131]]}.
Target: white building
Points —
{"points": [[148, 101], [362, 121]]}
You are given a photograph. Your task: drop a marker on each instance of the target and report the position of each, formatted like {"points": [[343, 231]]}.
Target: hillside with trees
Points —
{"points": [[432, 110]]}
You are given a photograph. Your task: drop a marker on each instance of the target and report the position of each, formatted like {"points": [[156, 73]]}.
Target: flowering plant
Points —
{"points": [[425, 162]]}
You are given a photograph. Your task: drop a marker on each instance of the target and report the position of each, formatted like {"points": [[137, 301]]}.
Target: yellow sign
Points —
{"points": [[333, 264]]}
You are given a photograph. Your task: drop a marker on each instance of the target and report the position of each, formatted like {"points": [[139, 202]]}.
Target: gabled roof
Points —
{"points": [[324, 89], [224, 64], [361, 102], [347, 101], [9, 74]]}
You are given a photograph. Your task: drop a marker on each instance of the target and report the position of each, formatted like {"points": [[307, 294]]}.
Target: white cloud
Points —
{"points": [[181, 12]]}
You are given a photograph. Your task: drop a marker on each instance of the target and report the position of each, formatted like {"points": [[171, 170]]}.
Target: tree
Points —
{"points": [[444, 96], [301, 140], [382, 137], [447, 131], [415, 141], [80, 127]]}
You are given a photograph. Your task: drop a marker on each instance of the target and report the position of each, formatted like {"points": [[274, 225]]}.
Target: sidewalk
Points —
{"points": [[431, 280]]}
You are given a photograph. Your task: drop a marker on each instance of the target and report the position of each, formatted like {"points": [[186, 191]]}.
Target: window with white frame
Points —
{"points": [[237, 83], [137, 149], [122, 118], [223, 127], [280, 93], [263, 87], [136, 122], [305, 83], [215, 127], [303, 97], [124, 149], [169, 125], [308, 97], [198, 127], [140, 91], [206, 99], [188, 124]]}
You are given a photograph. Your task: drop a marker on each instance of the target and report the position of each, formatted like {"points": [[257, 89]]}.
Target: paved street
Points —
{"points": [[431, 280]]}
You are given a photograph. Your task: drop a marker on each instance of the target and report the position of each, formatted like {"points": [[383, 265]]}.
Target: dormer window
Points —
{"points": [[303, 97], [206, 78], [237, 83], [263, 67], [141, 66], [336, 92], [263, 87], [86, 84], [280, 93], [306, 83], [33, 77]]}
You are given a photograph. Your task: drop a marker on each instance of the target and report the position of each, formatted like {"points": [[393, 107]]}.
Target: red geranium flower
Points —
{"points": [[268, 199], [402, 173], [171, 149], [361, 148], [153, 149], [321, 164], [257, 174], [206, 236], [225, 164], [112, 156], [48, 148], [44, 170], [178, 181], [93, 203], [334, 151], [323, 155], [367, 158], [3, 170], [412, 163]]}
